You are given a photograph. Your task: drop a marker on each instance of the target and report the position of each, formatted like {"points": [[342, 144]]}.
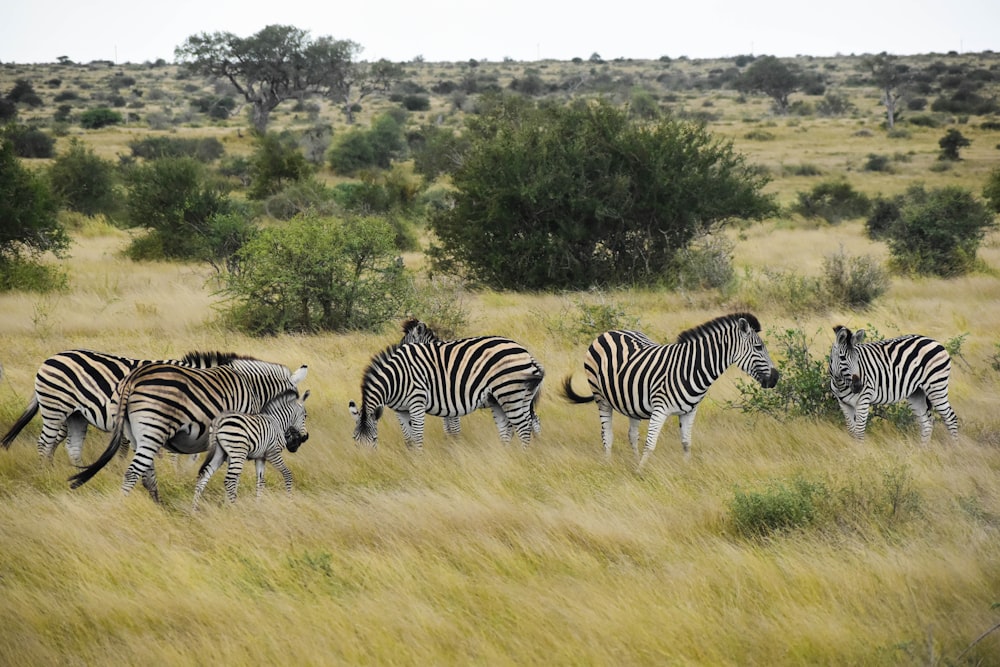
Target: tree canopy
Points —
{"points": [[772, 77], [553, 197], [28, 211], [276, 64]]}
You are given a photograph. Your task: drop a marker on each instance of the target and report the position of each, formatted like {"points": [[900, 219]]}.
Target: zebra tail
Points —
{"points": [[22, 421], [117, 437], [572, 395]]}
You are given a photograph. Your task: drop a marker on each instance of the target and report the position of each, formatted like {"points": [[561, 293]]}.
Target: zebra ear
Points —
{"points": [[299, 375], [858, 337], [744, 326], [843, 335], [305, 395], [352, 407]]}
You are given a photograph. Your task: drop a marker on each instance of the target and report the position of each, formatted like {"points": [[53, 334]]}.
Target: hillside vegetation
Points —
{"points": [[476, 553]]}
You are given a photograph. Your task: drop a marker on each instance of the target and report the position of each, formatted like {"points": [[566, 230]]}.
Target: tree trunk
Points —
{"points": [[890, 108]]}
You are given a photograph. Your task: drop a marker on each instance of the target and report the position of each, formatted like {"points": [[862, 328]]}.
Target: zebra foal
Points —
{"points": [[449, 379], [630, 374], [912, 367], [237, 437]]}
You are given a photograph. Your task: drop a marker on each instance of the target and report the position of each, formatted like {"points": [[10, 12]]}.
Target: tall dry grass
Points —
{"points": [[475, 553]]}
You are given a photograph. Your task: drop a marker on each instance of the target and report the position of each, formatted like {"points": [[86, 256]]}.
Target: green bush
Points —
{"points": [[853, 282], [29, 142], [351, 152], [84, 182], [951, 143], [876, 162], [991, 191], [938, 232], [570, 196], [778, 507], [93, 119], [706, 264], [203, 149], [318, 274], [833, 201], [275, 163], [435, 150]]}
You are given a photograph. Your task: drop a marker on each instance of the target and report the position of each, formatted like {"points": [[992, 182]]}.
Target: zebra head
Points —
{"points": [[845, 367], [295, 426], [415, 331], [751, 354], [365, 424]]}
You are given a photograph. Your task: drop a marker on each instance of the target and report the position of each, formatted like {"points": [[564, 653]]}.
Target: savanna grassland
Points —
{"points": [[475, 553]]}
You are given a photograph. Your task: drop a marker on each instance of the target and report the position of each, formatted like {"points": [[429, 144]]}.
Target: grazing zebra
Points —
{"points": [[449, 379], [912, 367], [415, 331], [163, 405], [73, 390], [629, 373], [237, 437]]}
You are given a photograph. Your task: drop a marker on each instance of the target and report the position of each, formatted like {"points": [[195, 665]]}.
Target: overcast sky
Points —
{"points": [[33, 31]]}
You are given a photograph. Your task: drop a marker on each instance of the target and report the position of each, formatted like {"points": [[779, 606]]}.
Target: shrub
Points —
{"points": [[938, 232], [276, 162], [84, 181], [203, 149], [853, 282], [29, 142], [950, 143], [991, 191], [416, 102], [779, 507], [834, 104], [884, 214], [585, 318], [318, 274], [924, 121], [93, 119], [706, 264], [351, 152], [877, 163], [435, 150], [833, 201]]}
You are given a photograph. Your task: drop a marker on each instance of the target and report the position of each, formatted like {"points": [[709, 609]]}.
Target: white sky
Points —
{"points": [[36, 31]]}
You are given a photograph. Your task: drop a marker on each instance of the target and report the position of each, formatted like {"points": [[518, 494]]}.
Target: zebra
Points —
{"points": [[162, 405], [911, 367], [449, 379], [237, 437], [415, 331], [73, 390], [630, 373]]}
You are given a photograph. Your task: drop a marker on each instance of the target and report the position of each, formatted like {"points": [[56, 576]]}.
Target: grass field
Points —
{"points": [[475, 553]]}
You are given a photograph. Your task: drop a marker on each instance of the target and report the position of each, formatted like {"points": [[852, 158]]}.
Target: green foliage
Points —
{"points": [[587, 317], [772, 77], [308, 194], [950, 143], [853, 282], [706, 264], [876, 162], [93, 119], [884, 214], [84, 182], [29, 141], [276, 162], [834, 104], [351, 152], [552, 197], [991, 191], [23, 92], [833, 201], [779, 507], [318, 274], [174, 199], [804, 387], [29, 275], [435, 150], [28, 210], [203, 149], [938, 232]]}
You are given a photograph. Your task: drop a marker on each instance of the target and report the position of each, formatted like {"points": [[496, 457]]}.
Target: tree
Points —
{"points": [[84, 181], [772, 77], [275, 163], [950, 143], [351, 84], [553, 197], [888, 75], [276, 64], [28, 211]]}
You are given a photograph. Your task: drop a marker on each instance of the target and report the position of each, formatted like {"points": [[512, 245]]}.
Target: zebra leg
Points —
{"points": [[633, 435], [259, 465], [848, 411], [417, 418], [149, 481], [274, 456], [922, 410], [233, 471], [452, 425], [656, 421], [605, 411], [860, 419], [142, 461], [939, 401], [218, 457], [503, 424], [76, 427], [687, 426], [51, 437], [404, 424]]}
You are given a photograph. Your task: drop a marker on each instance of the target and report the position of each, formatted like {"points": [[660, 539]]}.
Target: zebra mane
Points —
{"points": [[714, 325], [415, 329], [211, 359]]}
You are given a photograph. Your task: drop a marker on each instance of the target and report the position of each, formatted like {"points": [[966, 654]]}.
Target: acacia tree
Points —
{"points": [[889, 76], [276, 64], [568, 197], [772, 77]]}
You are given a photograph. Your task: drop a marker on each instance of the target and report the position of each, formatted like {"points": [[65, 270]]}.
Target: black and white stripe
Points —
{"points": [[913, 368], [237, 437], [629, 373], [449, 379], [73, 390], [162, 405]]}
